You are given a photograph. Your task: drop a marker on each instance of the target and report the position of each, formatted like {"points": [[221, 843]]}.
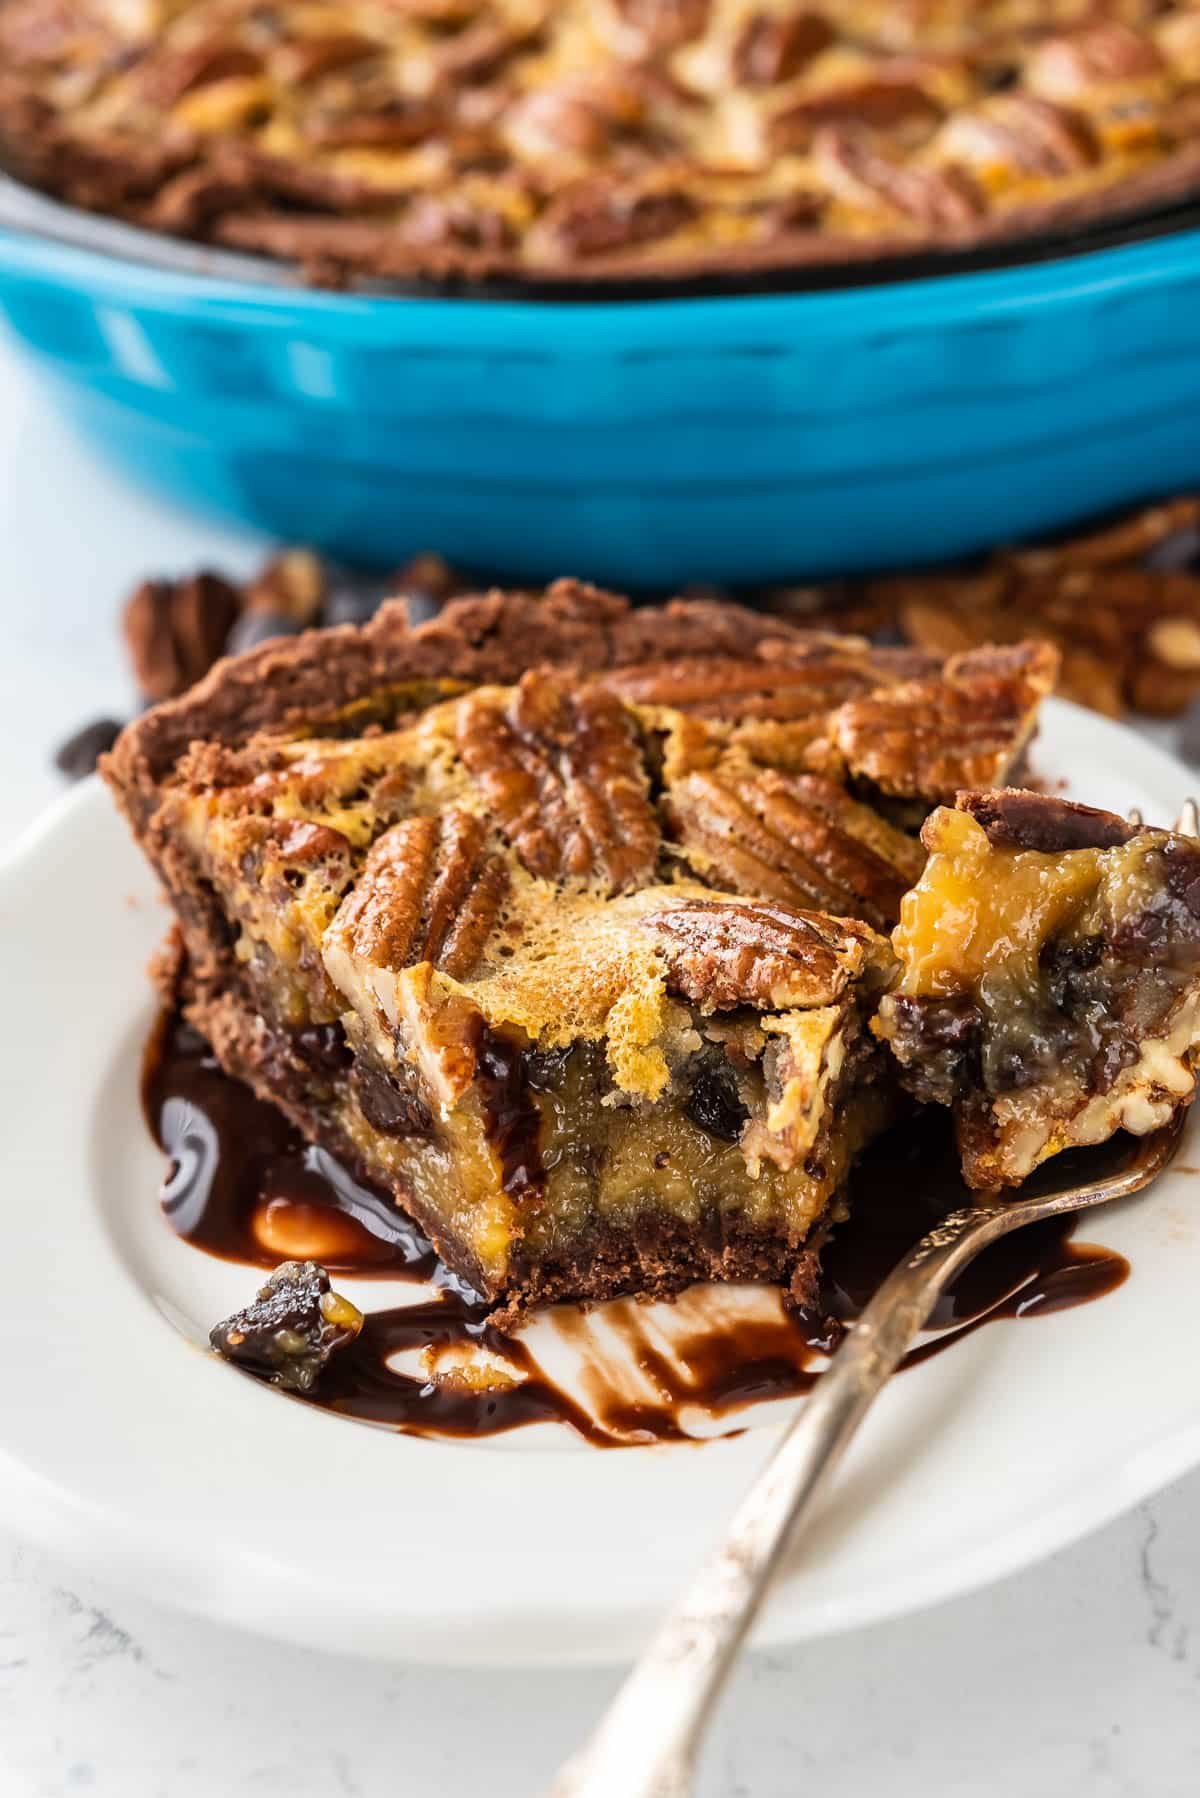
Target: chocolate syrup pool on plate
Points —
{"points": [[245, 1186]]}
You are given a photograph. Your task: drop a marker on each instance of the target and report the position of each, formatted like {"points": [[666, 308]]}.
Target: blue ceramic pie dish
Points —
{"points": [[643, 440]]}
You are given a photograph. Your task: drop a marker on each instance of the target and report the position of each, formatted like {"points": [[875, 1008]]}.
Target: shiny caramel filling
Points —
{"points": [[981, 914]]}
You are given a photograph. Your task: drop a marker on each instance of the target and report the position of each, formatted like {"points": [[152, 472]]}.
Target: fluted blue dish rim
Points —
{"points": [[645, 441]]}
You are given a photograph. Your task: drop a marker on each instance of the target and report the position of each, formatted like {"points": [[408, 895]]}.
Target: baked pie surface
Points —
{"points": [[579, 959], [1049, 987], [591, 138]]}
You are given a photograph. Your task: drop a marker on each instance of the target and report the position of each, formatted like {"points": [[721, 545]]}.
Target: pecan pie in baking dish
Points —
{"points": [[600, 137], [577, 960]]}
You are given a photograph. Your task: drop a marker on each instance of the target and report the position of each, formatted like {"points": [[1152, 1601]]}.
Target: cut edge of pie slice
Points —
{"points": [[1049, 987]]}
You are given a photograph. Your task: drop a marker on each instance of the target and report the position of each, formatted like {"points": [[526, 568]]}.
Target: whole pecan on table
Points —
{"points": [[175, 630]]}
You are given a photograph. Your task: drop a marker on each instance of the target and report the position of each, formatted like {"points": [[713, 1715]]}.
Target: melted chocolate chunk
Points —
{"points": [[938, 1040], [1062, 961], [389, 1107], [324, 1047], [1117, 1053], [512, 1115], [1183, 873], [546, 1069], [714, 1102]]}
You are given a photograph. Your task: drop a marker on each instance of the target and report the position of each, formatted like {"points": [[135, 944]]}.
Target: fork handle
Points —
{"points": [[645, 1745]]}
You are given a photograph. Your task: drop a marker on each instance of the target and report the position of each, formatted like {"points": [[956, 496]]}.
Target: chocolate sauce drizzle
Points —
{"points": [[244, 1185]]}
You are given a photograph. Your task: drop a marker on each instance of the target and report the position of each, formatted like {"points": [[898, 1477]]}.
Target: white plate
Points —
{"points": [[127, 1448]]}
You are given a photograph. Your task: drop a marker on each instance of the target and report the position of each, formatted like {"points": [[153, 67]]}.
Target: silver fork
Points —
{"points": [[646, 1744]]}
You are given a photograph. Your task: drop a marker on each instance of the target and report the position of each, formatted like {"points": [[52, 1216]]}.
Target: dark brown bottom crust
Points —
{"points": [[659, 1257]]}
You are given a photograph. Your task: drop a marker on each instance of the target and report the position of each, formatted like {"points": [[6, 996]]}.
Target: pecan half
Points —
{"points": [[175, 631], [309, 58], [773, 47], [234, 103], [875, 104], [798, 838], [563, 776], [805, 682], [937, 199], [290, 586], [435, 221], [1019, 134], [398, 125], [301, 841], [720, 954], [663, 24], [429, 891], [595, 218], [1089, 64], [164, 80], [478, 52], [556, 120], [1121, 603], [927, 738], [1016, 819], [1125, 541], [1178, 37]]}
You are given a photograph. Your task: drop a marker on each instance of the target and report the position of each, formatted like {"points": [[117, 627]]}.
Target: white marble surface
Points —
{"points": [[1078, 1679]]}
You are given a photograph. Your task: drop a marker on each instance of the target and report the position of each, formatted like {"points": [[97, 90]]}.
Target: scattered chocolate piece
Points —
{"points": [[293, 1328], [256, 627], [287, 596], [1179, 552], [392, 1106], [77, 757], [353, 596]]}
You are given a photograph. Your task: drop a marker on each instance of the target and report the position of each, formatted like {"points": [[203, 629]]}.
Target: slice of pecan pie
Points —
{"points": [[578, 959], [1050, 978]]}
